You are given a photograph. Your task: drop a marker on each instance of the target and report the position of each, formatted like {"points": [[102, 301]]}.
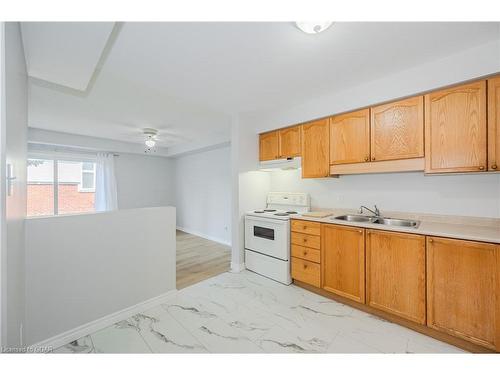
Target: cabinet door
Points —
{"points": [[307, 227], [343, 261], [269, 146], [455, 129], [305, 271], [395, 273], [315, 148], [397, 130], [306, 253], [350, 137], [463, 289], [494, 124], [289, 142]]}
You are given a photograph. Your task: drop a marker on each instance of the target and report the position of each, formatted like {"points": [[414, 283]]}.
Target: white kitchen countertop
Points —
{"points": [[459, 227]]}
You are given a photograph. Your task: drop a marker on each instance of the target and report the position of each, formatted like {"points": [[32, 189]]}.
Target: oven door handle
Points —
{"points": [[266, 220]]}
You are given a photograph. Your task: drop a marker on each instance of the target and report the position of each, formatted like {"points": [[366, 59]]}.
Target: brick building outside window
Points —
{"points": [[58, 187]]}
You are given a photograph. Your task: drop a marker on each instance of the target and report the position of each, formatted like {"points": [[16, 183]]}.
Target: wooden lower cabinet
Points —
{"points": [[447, 287], [343, 261], [306, 227], [306, 271], [305, 238], [306, 253], [395, 273], [463, 289]]}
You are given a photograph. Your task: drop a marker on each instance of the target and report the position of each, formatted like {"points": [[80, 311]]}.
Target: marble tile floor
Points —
{"points": [[247, 313]]}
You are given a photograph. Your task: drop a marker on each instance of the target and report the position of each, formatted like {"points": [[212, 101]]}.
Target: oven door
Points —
{"points": [[268, 236]]}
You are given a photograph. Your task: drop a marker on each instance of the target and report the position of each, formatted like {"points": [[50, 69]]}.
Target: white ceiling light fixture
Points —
{"points": [[313, 27], [150, 138]]}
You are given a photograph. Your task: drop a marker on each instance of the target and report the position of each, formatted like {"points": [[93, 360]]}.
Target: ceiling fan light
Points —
{"points": [[150, 143], [150, 137], [313, 27]]}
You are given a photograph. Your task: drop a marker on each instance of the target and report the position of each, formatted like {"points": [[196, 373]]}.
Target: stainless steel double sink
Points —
{"points": [[379, 220]]}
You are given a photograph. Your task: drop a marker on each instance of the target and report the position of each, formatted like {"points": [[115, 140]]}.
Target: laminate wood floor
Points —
{"points": [[199, 259]]}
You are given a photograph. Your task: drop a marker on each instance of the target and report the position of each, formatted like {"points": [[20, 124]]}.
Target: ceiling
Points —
{"points": [[187, 79], [65, 53]]}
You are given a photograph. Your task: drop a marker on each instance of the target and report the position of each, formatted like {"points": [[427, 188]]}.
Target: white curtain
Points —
{"points": [[106, 198]]}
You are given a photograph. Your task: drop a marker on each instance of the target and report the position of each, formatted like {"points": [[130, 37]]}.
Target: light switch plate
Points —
{"points": [[10, 179]]}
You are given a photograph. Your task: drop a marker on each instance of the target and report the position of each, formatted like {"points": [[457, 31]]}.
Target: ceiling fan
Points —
{"points": [[150, 138]]}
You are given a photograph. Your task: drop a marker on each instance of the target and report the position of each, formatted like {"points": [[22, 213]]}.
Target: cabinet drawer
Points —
{"points": [[307, 272], [306, 253], [306, 240], [307, 227]]}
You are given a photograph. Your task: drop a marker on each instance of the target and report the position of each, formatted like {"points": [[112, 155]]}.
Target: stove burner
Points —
{"points": [[292, 212], [282, 214], [268, 210], [259, 212]]}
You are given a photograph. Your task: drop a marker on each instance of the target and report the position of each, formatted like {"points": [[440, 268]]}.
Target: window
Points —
{"points": [[88, 177], [60, 186], [40, 187]]}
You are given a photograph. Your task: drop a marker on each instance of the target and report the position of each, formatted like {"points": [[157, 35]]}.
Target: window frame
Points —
{"points": [[62, 157], [81, 189]]}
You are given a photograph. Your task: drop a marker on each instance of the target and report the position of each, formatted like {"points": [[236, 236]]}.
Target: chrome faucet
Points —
{"points": [[376, 212]]}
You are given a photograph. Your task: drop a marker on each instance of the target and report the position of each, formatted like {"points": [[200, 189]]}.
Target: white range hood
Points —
{"points": [[283, 164]]}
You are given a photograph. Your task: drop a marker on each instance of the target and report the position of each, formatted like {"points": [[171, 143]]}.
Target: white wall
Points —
{"points": [[475, 195], [52, 138], [249, 187], [3, 226], [80, 268], [466, 65], [467, 195], [144, 181], [203, 194], [14, 135]]}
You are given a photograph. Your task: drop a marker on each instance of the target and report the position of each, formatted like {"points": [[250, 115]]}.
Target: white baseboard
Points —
{"points": [[202, 235], [237, 267], [98, 324]]}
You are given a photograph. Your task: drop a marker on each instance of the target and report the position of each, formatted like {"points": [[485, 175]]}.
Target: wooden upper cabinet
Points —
{"points": [[397, 130], [463, 296], [455, 129], [343, 261], [350, 137], [395, 273], [289, 142], [269, 146], [494, 124], [315, 149]]}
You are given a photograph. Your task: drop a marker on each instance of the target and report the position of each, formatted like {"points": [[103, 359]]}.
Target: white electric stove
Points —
{"points": [[267, 235]]}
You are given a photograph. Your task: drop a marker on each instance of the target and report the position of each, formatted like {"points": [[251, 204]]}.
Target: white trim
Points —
{"points": [[62, 156], [56, 160], [82, 171], [55, 184], [237, 267], [38, 139], [98, 324], [202, 235], [3, 227]]}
